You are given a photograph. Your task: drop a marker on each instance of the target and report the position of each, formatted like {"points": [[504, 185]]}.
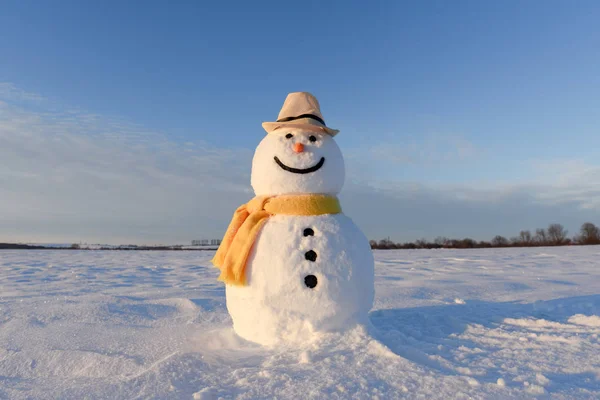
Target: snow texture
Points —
{"points": [[277, 306], [154, 325], [270, 179]]}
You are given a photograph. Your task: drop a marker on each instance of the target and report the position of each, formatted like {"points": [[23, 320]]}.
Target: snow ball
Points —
{"points": [[541, 379], [205, 394], [277, 306], [264, 374], [535, 389], [472, 381]]}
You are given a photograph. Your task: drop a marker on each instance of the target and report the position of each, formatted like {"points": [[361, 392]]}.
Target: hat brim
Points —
{"points": [[272, 126]]}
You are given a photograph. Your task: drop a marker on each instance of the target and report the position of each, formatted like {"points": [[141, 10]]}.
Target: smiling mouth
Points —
{"points": [[299, 170]]}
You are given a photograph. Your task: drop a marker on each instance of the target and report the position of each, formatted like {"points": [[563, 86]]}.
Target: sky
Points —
{"points": [[129, 122]]}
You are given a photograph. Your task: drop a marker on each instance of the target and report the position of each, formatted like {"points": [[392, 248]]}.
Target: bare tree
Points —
{"points": [[589, 234], [422, 243], [441, 241], [469, 243], [525, 238], [557, 234], [499, 241], [541, 238], [386, 244]]}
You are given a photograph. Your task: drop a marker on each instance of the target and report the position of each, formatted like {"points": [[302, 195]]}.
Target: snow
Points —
{"points": [[138, 325], [268, 178], [277, 306]]}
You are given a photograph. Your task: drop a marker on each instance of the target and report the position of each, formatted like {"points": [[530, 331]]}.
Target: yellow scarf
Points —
{"points": [[249, 218]]}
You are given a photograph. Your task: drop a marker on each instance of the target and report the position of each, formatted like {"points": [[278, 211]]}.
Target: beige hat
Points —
{"points": [[300, 110]]}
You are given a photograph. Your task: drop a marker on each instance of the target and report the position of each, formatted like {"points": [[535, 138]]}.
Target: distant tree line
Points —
{"points": [[554, 235], [77, 246], [17, 246]]}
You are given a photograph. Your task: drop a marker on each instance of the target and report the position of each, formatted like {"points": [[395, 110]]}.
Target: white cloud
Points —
{"points": [[74, 175], [433, 149], [10, 91], [68, 175]]}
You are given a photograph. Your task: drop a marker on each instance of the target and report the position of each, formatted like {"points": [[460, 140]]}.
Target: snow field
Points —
{"points": [[489, 324]]}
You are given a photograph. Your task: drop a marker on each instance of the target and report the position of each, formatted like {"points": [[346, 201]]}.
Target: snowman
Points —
{"points": [[294, 265]]}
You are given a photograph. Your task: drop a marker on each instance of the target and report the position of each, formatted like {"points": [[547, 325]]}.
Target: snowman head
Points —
{"points": [[294, 160]]}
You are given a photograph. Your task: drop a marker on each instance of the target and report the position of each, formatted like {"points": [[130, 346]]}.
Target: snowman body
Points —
{"points": [[305, 274]]}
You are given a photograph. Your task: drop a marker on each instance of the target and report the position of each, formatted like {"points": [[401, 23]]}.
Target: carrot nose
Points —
{"points": [[298, 147]]}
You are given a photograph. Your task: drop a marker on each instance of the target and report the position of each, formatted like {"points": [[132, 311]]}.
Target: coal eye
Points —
{"points": [[312, 138], [289, 136]]}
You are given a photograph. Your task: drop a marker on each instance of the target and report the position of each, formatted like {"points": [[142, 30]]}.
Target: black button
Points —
{"points": [[310, 281], [309, 232], [310, 255]]}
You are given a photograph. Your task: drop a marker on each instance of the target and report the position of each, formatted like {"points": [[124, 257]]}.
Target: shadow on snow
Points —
{"points": [[430, 336]]}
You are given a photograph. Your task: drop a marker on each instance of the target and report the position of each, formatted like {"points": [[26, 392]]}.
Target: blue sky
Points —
{"points": [[486, 112]]}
